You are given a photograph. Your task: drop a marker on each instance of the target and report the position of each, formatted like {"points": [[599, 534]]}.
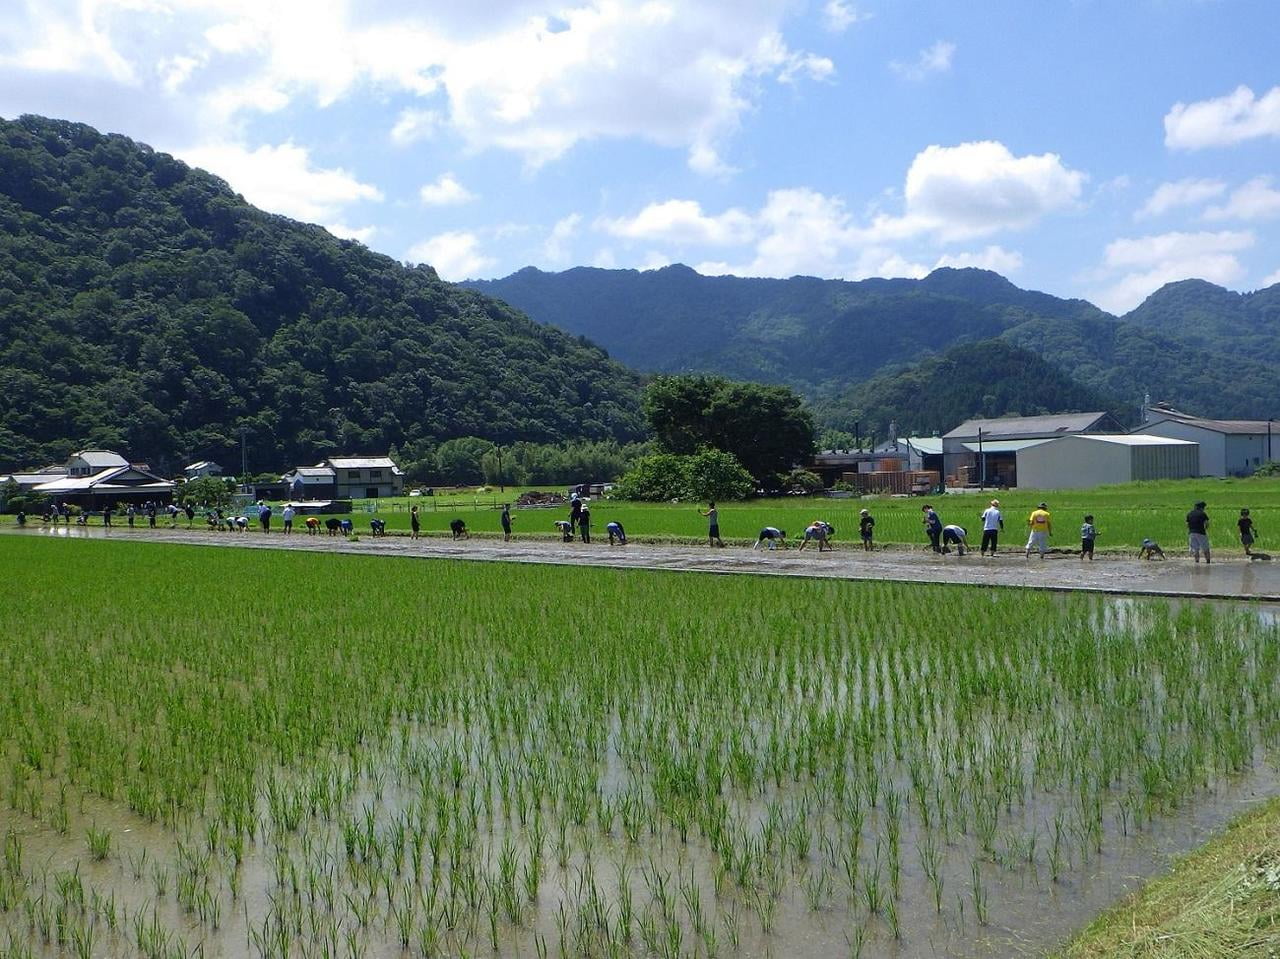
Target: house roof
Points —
{"points": [[107, 480], [1028, 425], [1244, 427], [1135, 439], [203, 464], [314, 474], [102, 459], [34, 479], [1004, 446], [362, 463]]}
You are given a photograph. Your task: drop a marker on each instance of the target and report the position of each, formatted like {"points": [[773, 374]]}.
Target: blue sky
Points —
{"points": [[1093, 148]]}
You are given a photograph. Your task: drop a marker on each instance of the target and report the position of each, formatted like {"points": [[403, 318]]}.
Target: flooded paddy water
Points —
{"points": [[689, 766]]}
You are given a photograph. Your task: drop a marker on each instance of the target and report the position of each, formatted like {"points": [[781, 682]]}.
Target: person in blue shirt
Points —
{"points": [[615, 530]]}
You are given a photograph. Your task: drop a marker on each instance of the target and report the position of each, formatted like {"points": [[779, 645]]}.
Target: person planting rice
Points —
{"points": [[957, 536], [1040, 522], [1150, 549], [713, 524], [820, 532], [866, 528], [773, 536], [615, 530], [459, 529], [932, 527], [313, 525], [565, 529], [1198, 532], [1088, 533], [992, 526], [1245, 525]]}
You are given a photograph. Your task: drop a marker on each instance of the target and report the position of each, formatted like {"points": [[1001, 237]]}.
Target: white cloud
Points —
{"points": [[1223, 121], [1180, 193], [556, 249], [682, 222], [1271, 280], [1255, 200], [839, 15], [1135, 267], [655, 260], [281, 179], [362, 234], [977, 189], [445, 191], [504, 76], [605, 259], [456, 255], [931, 60], [414, 125], [994, 258]]}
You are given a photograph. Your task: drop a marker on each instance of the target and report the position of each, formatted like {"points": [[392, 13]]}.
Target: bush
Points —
{"points": [[708, 474], [803, 481]]}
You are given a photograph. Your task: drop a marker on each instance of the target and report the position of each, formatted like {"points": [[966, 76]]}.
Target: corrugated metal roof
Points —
{"points": [[1016, 425], [1237, 427], [101, 458], [312, 472], [1003, 446], [1134, 439], [361, 462]]}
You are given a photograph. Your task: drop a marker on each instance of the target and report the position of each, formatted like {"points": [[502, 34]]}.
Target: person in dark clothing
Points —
{"points": [[575, 511], [1198, 532], [713, 525], [191, 514], [151, 515], [459, 529], [1088, 533], [584, 523], [415, 525], [1245, 524], [22, 517], [615, 531], [264, 517], [866, 528], [566, 530], [956, 536], [506, 522], [932, 527]]}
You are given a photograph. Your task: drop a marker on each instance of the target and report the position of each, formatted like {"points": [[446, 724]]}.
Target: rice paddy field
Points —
{"points": [[1124, 515], [262, 753]]}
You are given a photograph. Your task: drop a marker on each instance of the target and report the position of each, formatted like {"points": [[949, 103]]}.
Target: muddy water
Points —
{"points": [[1175, 577]]}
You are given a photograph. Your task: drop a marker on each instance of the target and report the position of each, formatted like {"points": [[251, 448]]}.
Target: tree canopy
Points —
{"points": [[145, 307], [767, 428]]}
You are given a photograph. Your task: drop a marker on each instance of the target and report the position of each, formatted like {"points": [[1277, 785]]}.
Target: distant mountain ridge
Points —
{"points": [[1192, 344]]}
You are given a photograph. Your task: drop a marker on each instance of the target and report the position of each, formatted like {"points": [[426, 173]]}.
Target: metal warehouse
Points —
{"points": [[1084, 460]]}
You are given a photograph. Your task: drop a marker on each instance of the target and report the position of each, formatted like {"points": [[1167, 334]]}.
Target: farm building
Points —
{"points": [[202, 469], [1085, 460], [903, 455], [311, 482], [1227, 447], [346, 477], [985, 452]]}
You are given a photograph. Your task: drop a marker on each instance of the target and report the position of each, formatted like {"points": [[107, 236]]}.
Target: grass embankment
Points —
{"points": [[1220, 902], [281, 754]]}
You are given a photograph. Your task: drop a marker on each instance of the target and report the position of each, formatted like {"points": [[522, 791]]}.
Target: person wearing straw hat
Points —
{"points": [[992, 525]]}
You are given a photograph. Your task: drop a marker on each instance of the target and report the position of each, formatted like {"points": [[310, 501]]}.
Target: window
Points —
{"points": [[375, 474], [353, 474]]}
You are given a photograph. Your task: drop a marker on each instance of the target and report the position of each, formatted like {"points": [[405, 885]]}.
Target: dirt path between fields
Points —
{"points": [[1233, 578]]}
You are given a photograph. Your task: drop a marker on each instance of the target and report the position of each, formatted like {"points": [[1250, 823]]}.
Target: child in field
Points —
{"points": [[773, 536], [1088, 533], [1150, 549], [821, 532], [866, 528], [1245, 523]]}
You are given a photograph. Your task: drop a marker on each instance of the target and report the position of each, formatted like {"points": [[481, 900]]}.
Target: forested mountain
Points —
{"points": [[987, 378], [1194, 345], [146, 307]]}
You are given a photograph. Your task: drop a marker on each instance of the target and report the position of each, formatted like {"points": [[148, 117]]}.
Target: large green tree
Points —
{"points": [[767, 428]]}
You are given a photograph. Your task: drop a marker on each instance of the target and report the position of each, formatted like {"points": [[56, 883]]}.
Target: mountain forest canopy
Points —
{"points": [[1192, 344], [146, 307]]}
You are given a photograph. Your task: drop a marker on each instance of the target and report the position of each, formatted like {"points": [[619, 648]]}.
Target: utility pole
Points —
{"points": [[244, 458], [501, 486]]}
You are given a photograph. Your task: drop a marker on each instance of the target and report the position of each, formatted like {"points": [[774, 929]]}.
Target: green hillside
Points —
{"points": [[1205, 353], [146, 307]]}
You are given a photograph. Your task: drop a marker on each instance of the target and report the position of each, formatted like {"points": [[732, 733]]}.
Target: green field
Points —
{"points": [[276, 754], [1124, 515]]}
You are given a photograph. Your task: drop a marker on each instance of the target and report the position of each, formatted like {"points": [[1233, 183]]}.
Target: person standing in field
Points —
{"points": [[575, 511], [130, 513], [713, 524], [584, 522], [1041, 524], [932, 527], [264, 517], [992, 526], [1198, 532], [866, 528], [1088, 533], [151, 515], [287, 516], [1245, 524], [191, 514], [106, 516], [506, 522], [415, 524]]}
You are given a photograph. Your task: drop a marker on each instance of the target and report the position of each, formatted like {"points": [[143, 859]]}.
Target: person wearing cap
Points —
{"points": [[1041, 525], [992, 525], [866, 528]]}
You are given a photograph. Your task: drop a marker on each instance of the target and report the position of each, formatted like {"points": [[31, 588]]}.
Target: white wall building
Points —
{"points": [[1227, 447], [1081, 461]]}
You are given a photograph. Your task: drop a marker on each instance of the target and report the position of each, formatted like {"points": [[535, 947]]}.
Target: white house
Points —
{"points": [[1080, 461], [89, 462], [1227, 447], [202, 469], [365, 477]]}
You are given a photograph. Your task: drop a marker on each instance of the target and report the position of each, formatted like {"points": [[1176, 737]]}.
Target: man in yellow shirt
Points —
{"points": [[1041, 524]]}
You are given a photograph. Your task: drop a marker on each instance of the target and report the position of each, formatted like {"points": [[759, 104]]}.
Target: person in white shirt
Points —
{"points": [[992, 524], [287, 516]]}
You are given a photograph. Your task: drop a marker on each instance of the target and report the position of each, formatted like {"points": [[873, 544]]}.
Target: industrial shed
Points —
{"points": [[1080, 461]]}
